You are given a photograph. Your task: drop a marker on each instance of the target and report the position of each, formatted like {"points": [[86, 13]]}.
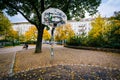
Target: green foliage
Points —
{"points": [[75, 40], [73, 8], [114, 32], [21, 38], [5, 24], [30, 42], [113, 35], [116, 16], [6, 29], [13, 35]]}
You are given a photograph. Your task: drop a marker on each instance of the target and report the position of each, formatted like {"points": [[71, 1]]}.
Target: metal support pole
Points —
{"points": [[52, 42]]}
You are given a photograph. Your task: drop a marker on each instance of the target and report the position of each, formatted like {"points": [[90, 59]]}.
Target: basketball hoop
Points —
{"points": [[53, 17]]}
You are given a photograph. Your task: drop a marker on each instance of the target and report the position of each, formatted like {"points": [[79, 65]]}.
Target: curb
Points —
{"points": [[94, 48], [11, 73]]}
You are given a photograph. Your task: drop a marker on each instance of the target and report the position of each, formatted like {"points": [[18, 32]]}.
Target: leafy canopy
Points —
{"points": [[32, 9], [98, 26], [5, 24]]}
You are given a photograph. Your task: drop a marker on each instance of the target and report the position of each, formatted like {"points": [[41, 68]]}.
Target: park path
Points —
{"points": [[13, 49], [6, 58]]}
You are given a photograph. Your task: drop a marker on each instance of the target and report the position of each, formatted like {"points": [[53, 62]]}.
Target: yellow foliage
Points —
{"points": [[12, 34], [31, 34], [117, 24], [46, 35], [117, 31], [98, 27], [63, 32]]}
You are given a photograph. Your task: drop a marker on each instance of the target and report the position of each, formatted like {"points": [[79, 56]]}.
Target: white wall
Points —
{"points": [[78, 26], [22, 27]]}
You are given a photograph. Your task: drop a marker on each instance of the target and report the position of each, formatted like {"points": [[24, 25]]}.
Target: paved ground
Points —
{"points": [[13, 49], [97, 65], [6, 57], [5, 62]]}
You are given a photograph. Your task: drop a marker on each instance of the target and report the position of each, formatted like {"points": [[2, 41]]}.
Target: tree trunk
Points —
{"points": [[40, 28], [38, 48]]}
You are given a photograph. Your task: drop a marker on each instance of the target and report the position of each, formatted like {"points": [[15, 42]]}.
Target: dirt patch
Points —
{"points": [[27, 59], [5, 62]]}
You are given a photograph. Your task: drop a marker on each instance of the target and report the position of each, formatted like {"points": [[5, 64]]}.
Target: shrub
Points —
{"points": [[75, 40]]}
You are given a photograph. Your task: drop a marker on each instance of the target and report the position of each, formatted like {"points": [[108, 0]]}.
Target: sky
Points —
{"points": [[106, 9]]}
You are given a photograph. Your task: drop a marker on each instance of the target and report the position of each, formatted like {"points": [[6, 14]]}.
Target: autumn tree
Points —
{"points": [[60, 34], [5, 25], [21, 38], [12, 35], [32, 10], [46, 35], [31, 34], [105, 32], [113, 32], [64, 32], [98, 26], [97, 33], [6, 29]]}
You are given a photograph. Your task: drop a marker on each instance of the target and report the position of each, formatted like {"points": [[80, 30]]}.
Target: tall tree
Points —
{"points": [[97, 33], [5, 25], [98, 26], [32, 10]]}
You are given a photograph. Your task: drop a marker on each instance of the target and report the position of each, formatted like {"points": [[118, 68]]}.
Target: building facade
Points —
{"points": [[79, 27], [21, 27]]}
